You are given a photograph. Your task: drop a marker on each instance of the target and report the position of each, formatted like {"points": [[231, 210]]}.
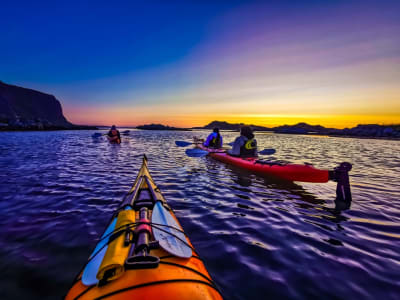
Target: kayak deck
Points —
{"points": [[164, 275]]}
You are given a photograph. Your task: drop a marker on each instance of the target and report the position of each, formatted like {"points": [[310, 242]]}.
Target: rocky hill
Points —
{"points": [[160, 127], [26, 109], [303, 128], [231, 126]]}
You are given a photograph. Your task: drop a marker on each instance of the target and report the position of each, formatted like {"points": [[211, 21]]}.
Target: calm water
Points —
{"points": [[259, 238]]}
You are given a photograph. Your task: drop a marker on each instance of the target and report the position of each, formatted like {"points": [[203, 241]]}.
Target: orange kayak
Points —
{"points": [[144, 254]]}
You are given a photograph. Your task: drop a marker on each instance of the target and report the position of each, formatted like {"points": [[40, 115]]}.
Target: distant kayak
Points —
{"points": [[144, 253], [114, 139]]}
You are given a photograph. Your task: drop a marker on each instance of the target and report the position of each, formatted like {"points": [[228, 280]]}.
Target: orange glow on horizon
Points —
{"points": [[338, 97], [144, 115]]}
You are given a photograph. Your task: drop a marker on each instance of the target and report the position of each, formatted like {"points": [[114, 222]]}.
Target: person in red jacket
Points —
{"points": [[113, 135]]}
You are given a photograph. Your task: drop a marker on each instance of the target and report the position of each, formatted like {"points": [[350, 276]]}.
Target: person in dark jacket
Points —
{"points": [[214, 140], [245, 145]]}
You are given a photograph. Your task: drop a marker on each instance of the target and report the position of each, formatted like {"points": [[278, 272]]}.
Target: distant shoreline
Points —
{"points": [[391, 132], [93, 128], [366, 137]]}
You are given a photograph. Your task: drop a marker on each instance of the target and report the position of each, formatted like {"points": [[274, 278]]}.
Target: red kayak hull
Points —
{"points": [[291, 172]]}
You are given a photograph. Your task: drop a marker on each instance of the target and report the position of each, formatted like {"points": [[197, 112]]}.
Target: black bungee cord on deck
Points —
{"points": [[122, 229]]}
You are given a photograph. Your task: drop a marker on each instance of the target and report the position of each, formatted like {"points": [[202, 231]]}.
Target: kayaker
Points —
{"points": [[214, 140], [114, 134], [245, 145]]}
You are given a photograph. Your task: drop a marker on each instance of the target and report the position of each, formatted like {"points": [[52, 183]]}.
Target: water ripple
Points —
{"points": [[257, 236]]}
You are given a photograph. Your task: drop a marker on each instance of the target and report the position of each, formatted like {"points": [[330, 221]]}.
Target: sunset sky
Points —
{"points": [[334, 63]]}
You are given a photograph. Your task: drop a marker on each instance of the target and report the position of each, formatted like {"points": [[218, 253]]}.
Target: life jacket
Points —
{"points": [[215, 142], [249, 149], [114, 136], [113, 132]]}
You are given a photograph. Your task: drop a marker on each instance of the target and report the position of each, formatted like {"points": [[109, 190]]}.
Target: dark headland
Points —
{"points": [[27, 109]]}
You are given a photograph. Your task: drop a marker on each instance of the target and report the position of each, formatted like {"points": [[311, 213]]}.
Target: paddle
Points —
{"points": [[91, 269], [138, 256], [183, 143], [96, 135], [195, 152], [166, 236], [267, 151], [170, 239]]}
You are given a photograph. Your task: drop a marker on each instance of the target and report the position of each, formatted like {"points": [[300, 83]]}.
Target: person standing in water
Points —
{"points": [[113, 135], [214, 140], [245, 145]]}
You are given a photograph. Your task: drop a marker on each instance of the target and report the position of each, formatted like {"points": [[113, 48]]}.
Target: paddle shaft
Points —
{"points": [[267, 151]]}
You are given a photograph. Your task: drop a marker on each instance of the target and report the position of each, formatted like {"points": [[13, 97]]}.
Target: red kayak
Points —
{"points": [[291, 172], [114, 139]]}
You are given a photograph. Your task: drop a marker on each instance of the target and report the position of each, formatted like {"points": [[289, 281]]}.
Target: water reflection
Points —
{"points": [[245, 179], [58, 190], [307, 204]]}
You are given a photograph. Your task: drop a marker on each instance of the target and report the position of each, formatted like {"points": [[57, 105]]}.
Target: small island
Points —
{"points": [[161, 127], [223, 125]]}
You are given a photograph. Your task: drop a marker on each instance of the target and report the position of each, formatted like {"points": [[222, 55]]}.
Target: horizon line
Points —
{"points": [[199, 127]]}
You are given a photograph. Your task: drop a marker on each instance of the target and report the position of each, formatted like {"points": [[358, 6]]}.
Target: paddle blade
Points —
{"points": [[96, 135], [267, 151], [196, 152], [166, 238], [90, 271], [182, 143]]}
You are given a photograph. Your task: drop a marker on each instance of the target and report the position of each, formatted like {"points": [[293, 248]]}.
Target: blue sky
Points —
{"points": [[187, 63]]}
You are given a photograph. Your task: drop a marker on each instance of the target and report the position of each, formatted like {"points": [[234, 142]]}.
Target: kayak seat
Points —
{"points": [[144, 195], [144, 199], [271, 163], [139, 205]]}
